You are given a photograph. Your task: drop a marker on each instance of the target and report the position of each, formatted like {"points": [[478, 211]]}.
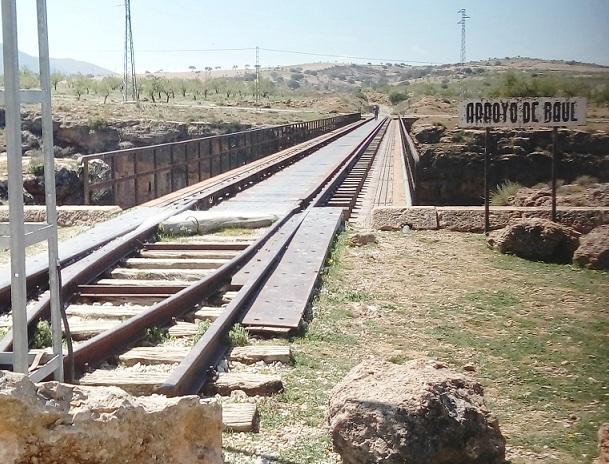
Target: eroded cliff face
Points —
{"points": [[450, 171]]}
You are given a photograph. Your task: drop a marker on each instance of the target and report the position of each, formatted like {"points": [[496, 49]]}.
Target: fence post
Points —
{"points": [[85, 179]]}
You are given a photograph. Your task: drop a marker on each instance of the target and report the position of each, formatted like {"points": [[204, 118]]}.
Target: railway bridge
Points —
{"points": [[155, 313]]}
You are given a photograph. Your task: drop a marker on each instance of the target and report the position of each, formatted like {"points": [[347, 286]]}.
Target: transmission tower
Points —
{"points": [[129, 79], [257, 83], [463, 20]]}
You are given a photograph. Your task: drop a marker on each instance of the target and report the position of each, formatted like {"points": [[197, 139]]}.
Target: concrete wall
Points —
{"points": [[471, 218], [66, 215]]}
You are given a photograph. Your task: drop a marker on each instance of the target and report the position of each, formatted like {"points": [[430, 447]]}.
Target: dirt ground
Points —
{"points": [[536, 333]]}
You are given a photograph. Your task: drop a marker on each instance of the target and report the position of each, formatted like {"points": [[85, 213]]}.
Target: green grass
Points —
{"points": [[535, 332]]}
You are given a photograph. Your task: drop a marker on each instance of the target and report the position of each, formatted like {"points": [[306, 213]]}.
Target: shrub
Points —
{"points": [[36, 167], [201, 329], [397, 97], [238, 336], [156, 335], [501, 196], [97, 123], [43, 337]]}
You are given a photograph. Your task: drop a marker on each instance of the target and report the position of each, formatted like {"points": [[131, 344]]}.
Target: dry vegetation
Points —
{"points": [[536, 333]]}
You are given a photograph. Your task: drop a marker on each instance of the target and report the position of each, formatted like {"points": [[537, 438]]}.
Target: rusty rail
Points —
{"points": [[142, 174], [411, 158]]}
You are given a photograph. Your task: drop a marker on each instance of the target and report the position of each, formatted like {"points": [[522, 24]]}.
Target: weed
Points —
{"points": [[501, 197], [156, 335], [43, 338], [202, 327], [3, 332], [36, 168], [585, 181], [238, 336], [97, 123]]}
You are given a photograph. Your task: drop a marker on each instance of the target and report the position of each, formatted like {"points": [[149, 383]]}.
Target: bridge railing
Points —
{"points": [[141, 174], [411, 159]]}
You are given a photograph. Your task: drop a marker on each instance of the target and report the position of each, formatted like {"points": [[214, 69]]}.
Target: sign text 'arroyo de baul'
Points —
{"points": [[522, 112]]}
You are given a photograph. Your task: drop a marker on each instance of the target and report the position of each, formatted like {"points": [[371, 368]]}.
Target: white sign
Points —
{"points": [[523, 112]]}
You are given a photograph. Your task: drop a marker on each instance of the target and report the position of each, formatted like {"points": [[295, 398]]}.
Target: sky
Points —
{"points": [[171, 35]]}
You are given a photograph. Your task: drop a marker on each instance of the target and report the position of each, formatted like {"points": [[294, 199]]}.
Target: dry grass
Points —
{"points": [[537, 334]]}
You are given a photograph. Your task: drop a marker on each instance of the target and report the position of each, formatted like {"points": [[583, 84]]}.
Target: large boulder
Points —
{"points": [[593, 251], [58, 423], [603, 445], [418, 413], [536, 239]]}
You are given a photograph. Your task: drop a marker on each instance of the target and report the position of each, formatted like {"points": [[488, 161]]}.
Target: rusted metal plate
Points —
{"points": [[286, 294]]}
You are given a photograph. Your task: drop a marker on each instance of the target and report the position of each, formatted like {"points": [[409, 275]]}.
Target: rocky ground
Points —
{"points": [[533, 334]]}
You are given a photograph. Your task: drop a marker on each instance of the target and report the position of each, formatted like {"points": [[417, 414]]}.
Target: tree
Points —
{"points": [[192, 68], [182, 85], [152, 86], [56, 78], [80, 84]]}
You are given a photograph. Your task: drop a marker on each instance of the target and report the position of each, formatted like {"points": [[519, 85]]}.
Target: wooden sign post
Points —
{"points": [[515, 113]]}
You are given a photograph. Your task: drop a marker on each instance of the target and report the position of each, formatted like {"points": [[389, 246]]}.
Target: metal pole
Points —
{"points": [[487, 225], [49, 184], [554, 155], [15, 185]]}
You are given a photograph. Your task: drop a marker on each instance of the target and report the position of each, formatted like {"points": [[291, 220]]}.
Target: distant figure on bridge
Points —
{"points": [[376, 109]]}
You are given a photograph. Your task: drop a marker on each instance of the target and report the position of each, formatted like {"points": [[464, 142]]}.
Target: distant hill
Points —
{"points": [[62, 65]]}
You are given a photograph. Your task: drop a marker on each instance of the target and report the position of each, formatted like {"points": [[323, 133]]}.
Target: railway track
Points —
{"points": [[157, 315]]}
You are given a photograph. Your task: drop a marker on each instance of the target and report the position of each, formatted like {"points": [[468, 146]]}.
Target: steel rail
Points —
{"points": [[96, 263], [194, 372]]}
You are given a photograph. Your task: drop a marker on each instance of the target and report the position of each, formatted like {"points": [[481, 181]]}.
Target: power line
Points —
{"points": [[463, 20], [349, 57]]}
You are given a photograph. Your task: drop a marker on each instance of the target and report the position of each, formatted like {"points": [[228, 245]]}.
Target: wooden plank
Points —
{"points": [[197, 244], [104, 311], [208, 313], [132, 381], [148, 263], [269, 332], [183, 329], [251, 383], [154, 355], [286, 294], [85, 329], [144, 283], [240, 417], [267, 353], [160, 274], [189, 254]]}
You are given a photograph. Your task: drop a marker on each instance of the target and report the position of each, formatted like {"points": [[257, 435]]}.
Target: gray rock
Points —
{"points": [[593, 251], [416, 413], [536, 239], [362, 238]]}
